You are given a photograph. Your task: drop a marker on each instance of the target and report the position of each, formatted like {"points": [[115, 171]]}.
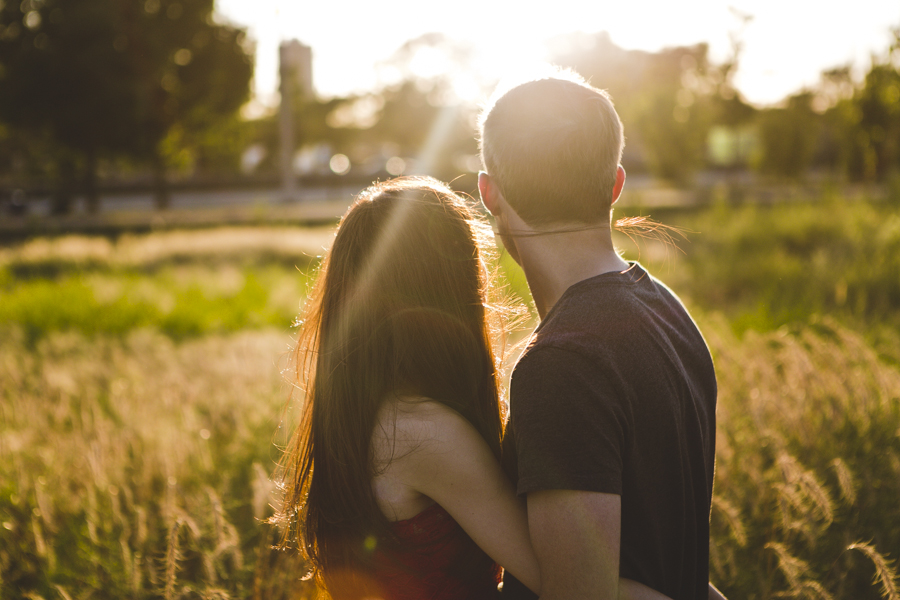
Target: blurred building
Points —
{"points": [[295, 72], [295, 67]]}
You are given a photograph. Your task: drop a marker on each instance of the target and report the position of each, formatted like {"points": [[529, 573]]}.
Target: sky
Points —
{"points": [[785, 43]]}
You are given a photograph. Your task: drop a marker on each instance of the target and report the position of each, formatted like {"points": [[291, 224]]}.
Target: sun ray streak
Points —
{"points": [[440, 130]]}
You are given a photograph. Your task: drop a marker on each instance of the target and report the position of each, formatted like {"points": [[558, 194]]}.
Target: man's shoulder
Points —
{"points": [[610, 298], [614, 331], [548, 355], [565, 370], [589, 322], [615, 309]]}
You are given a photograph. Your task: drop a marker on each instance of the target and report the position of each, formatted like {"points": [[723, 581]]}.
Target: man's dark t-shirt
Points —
{"points": [[616, 393]]}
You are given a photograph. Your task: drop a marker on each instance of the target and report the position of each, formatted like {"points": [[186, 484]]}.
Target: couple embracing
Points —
{"points": [[406, 480]]}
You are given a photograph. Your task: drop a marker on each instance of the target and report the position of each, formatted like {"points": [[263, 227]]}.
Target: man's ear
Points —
{"points": [[620, 183], [490, 193]]}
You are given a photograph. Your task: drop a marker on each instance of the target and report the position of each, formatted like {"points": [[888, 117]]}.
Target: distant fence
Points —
{"points": [[246, 201], [144, 184]]}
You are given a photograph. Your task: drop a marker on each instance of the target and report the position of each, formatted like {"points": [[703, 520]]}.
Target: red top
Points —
{"points": [[435, 560]]}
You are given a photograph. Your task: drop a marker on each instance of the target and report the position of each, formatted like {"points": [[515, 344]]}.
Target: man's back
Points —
{"points": [[616, 394]]}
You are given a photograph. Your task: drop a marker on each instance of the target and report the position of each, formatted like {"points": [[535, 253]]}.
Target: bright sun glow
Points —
{"points": [[785, 45]]}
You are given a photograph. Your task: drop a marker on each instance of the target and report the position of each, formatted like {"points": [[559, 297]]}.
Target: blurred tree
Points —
{"points": [[61, 77], [187, 73], [835, 84], [845, 152], [118, 77], [406, 117], [428, 124], [336, 121], [862, 129], [596, 58], [833, 101], [673, 112], [416, 114], [788, 136], [428, 108], [24, 157], [217, 151], [730, 108], [878, 105]]}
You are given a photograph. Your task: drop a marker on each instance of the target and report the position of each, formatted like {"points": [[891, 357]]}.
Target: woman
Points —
{"points": [[392, 479]]}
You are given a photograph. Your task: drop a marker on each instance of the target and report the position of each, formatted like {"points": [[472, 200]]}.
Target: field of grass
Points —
{"points": [[142, 396]]}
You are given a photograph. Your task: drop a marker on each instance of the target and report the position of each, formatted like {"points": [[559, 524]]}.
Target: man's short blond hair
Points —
{"points": [[553, 146]]}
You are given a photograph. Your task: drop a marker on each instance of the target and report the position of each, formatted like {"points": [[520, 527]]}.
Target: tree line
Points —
{"points": [[681, 110], [143, 90], [673, 101], [131, 82]]}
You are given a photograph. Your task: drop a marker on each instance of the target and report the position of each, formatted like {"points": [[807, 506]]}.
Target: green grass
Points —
{"points": [[781, 263], [769, 266], [114, 303], [179, 286]]}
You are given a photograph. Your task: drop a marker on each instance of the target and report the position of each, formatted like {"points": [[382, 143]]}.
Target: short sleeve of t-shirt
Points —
{"points": [[569, 429]]}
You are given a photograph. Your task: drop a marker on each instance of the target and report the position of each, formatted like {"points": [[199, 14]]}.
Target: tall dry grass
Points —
{"points": [[141, 394], [142, 250], [807, 465], [138, 467]]}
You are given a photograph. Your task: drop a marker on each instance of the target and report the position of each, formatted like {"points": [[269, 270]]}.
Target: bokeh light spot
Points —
{"points": [[340, 164], [33, 20], [395, 165], [684, 98], [183, 57]]}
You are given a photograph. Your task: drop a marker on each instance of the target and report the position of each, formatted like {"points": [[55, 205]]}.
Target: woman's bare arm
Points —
{"points": [[452, 464]]}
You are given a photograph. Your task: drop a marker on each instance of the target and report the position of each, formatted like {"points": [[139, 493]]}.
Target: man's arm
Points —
{"points": [[576, 539]]}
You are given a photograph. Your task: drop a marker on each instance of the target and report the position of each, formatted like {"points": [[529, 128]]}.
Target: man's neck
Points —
{"points": [[553, 262]]}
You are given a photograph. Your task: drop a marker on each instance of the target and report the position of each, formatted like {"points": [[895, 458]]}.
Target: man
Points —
{"points": [[611, 435]]}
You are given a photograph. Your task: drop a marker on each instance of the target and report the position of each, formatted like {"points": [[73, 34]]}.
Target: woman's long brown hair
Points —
{"points": [[398, 309]]}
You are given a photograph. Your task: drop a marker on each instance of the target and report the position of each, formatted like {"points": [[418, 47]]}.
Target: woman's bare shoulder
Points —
{"points": [[407, 424]]}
